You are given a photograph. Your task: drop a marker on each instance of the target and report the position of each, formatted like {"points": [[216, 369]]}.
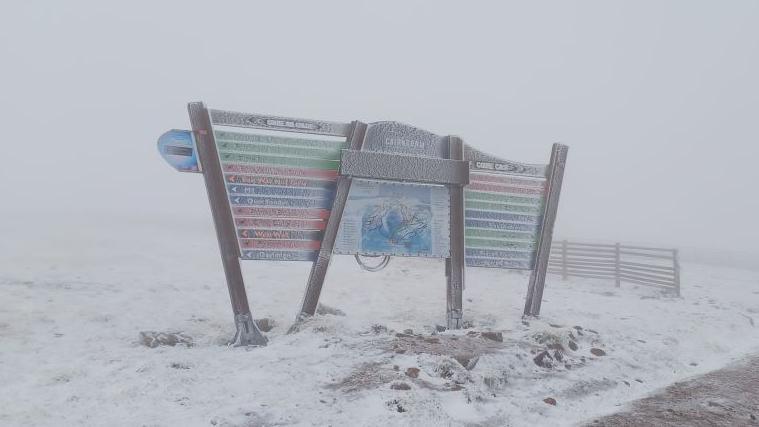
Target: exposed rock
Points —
{"points": [[154, 339], [573, 346], [543, 359], [597, 352], [266, 324], [550, 401], [400, 386], [493, 336], [412, 372], [323, 309], [440, 328], [467, 360], [495, 383]]}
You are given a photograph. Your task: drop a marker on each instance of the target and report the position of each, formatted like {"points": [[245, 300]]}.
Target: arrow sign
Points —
{"points": [[177, 147]]}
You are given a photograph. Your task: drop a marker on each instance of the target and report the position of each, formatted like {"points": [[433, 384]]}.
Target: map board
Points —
{"points": [[393, 218]]}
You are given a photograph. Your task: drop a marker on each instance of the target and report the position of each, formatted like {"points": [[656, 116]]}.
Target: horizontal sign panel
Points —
{"points": [[279, 244], [279, 171], [288, 124], [502, 198], [240, 211], [298, 162], [222, 137], [494, 253], [278, 181], [479, 186], [501, 216], [280, 150], [243, 189], [281, 202], [278, 223], [506, 180], [500, 263], [496, 225], [255, 233], [400, 219], [269, 255]]}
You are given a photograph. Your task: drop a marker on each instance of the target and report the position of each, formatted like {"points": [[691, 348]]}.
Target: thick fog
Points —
{"points": [[658, 101]]}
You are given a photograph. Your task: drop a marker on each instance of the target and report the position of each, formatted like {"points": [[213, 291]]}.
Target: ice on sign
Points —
{"points": [[393, 218], [280, 189], [502, 217]]}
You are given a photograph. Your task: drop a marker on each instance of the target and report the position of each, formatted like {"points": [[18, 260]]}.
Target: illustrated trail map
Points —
{"points": [[390, 218]]}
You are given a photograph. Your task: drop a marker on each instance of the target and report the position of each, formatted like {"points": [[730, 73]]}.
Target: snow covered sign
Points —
{"points": [[510, 210], [287, 189]]}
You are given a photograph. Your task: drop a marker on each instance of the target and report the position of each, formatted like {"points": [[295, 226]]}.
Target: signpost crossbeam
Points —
{"points": [[372, 164]]}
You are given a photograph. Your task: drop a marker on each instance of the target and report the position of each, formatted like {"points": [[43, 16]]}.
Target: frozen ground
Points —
{"points": [[74, 299]]}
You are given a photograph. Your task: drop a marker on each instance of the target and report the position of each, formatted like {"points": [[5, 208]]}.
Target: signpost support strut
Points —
{"points": [[554, 175], [320, 266], [454, 266], [247, 331]]}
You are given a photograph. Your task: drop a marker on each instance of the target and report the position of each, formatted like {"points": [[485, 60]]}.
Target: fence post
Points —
{"points": [[564, 274], [676, 266], [617, 279]]}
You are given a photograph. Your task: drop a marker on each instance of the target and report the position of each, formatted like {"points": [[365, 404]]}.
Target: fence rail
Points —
{"points": [[656, 267]]}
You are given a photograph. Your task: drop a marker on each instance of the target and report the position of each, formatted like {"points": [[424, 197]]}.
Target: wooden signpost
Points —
{"points": [[286, 189]]}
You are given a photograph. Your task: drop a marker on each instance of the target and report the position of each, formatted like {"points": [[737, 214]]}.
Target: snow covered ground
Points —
{"points": [[75, 297]]}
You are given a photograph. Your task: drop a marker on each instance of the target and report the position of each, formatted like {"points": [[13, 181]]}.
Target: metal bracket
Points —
{"points": [[247, 332]]}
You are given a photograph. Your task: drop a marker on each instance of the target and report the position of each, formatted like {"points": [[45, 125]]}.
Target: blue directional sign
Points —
{"points": [[177, 147]]}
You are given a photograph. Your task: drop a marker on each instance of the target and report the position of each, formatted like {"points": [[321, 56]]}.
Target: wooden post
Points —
{"points": [[617, 254], [554, 177], [676, 266], [320, 266], [247, 331], [564, 274], [454, 266]]}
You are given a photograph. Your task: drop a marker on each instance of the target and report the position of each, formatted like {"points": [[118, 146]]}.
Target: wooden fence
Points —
{"points": [[657, 267]]}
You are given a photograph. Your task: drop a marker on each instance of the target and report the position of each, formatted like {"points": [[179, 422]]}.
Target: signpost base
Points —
{"points": [[455, 319], [247, 332]]}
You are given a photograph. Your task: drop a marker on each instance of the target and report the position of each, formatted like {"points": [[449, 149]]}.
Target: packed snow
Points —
{"points": [[78, 301]]}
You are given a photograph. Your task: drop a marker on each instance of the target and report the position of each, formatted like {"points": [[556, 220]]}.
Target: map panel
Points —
{"points": [[398, 219]]}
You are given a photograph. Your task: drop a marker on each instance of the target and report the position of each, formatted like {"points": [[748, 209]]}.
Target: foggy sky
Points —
{"points": [[658, 100]]}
